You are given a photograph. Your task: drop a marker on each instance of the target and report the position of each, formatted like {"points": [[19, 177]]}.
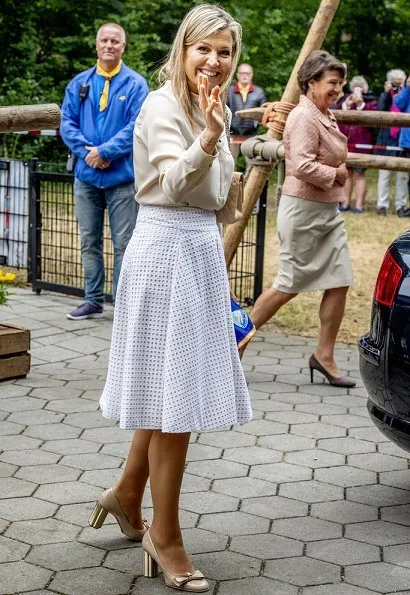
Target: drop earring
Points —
{"points": [[313, 95]]}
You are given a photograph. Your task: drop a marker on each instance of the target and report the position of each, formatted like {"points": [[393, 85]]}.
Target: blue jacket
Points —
{"points": [[128, 90], [402, 100]]}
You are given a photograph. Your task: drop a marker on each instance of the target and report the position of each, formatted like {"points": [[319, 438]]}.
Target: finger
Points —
{"points": [[215, 93]]}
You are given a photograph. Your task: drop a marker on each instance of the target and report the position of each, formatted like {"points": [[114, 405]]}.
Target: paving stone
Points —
{"points": [[88, 419], [371, 433], [273, 388], [97, 581], [56, 391], [397, 479], [108, 435], [280, 472], [247, 487], [321, 408], [307, 529], [194, 483], [324, 389], [20, 509], [52, 431], [336, 589], [42, 474], [382, 577], [65, 556], [252, 455], [118, 449], [13, 390], [270, 405], [346, 476], [78, 514], [11, 550], [318, 430], [267, 546], [208, 502], [259, 585], [378, 533], [108, 538], [201, 452], [274, 507], [262, 427], [216, 469], [396, 514], [41, 384], [347, 421], [54, 353], [302, 571], [287, 442], [69, 492], [314, 458], [42, 531], [262, 376], [378, 462], [347, 445], [127, 560], [226, 565], [360, 410], [86, 384], [377, 495], [90, 461], [8, 429], [11, 487], [397, 554], [87, 344], [292, 417], [342, 511], [72, 406], [234, 523], [7, 470], [391, 449], [21, 404], [295, 398], [103, 478], [311, 491], [70, 446], [16, 577], [343, 551], [199, 541], [29, 457]]}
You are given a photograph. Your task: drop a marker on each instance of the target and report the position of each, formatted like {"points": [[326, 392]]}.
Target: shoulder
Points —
{"points": [[81, 77], [134, 76], [161, 102]]}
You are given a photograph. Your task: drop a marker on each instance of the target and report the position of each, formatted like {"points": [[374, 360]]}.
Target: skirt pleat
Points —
{"points": [[174, 363]]}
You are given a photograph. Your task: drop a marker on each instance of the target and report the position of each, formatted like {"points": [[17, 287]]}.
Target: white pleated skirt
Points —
{"points": [[174, 364], [314, 253]]}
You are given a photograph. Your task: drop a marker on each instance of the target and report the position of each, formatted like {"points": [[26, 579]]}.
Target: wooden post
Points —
{"points": [[372, 119], [17, 118], [260, 174]]}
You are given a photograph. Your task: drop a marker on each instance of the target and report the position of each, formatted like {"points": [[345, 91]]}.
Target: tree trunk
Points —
{"points": [[260, 174], [17, 118]]}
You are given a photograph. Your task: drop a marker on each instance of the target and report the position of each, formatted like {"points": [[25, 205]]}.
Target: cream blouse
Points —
{"points": [[171, 168]]}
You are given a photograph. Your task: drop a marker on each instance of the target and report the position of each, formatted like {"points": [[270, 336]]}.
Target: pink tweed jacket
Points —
{"points": [[314, 148]]}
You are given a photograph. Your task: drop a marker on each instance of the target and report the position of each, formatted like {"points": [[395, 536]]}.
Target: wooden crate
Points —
{"points": [[14, 356]]}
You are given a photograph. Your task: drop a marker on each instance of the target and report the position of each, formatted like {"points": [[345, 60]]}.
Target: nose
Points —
{"points": [[213, 59]]}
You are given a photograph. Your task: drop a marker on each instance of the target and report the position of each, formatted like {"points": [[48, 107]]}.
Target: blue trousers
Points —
{"points": [[122, 208]]}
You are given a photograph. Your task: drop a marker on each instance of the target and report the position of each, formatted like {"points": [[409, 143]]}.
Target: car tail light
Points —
{"points": [[390, 275]]}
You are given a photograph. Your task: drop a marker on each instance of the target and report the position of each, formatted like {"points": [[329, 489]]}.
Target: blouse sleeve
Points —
{"points": [[180, 167], [303, 144]]}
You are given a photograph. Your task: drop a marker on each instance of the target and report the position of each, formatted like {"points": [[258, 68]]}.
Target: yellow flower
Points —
{"points": [[7, 277]]}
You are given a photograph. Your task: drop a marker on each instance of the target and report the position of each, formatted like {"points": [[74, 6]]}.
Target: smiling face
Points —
{"points": [[211, 57], [110, 46], [326, 91]]}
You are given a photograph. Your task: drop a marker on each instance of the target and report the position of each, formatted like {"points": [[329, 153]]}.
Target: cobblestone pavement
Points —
{"points": [[307, 499]]}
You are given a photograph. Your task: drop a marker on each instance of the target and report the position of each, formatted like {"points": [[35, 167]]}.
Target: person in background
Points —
{"points": [[98, 116], [395, 80], [358, 99], [314, 254], [402, 102], [243, 95]]}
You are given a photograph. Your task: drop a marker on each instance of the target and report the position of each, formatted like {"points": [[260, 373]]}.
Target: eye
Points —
{"points": [[202, 48], [225, 53]]}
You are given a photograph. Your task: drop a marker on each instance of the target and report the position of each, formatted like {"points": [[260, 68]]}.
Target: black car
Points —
{"points": [[385, 349]]}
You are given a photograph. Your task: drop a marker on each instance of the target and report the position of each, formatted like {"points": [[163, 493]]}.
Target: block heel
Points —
{"points": [[150, 567], [98, 516]]}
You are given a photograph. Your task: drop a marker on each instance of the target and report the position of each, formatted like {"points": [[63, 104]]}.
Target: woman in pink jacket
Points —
{"points": [[313, 245]]}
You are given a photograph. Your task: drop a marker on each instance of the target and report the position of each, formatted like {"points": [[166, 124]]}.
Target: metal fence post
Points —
{"points": [[260, 243], [34, 250]]}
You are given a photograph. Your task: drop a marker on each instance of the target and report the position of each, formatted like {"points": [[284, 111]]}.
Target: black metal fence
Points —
{"points": [[53, 241]]}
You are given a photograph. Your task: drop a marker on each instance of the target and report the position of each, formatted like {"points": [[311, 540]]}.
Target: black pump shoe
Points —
{"points": [[343, 381]]}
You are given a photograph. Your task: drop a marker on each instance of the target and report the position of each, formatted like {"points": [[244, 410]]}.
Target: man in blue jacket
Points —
{"points": [[402, 101], [98, 116]]}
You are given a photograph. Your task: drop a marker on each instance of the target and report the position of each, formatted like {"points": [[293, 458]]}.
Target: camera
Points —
{"points": [[395, 86]]}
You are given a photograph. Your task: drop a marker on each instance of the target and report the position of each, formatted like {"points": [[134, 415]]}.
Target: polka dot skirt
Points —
{"points": [[174, 364]]}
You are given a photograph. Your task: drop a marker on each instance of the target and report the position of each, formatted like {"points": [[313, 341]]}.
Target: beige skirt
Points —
{"points": [[314, 254]]}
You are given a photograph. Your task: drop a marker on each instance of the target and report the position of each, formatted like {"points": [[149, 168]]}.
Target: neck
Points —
{"points": [[108, 67], [322, 108]]}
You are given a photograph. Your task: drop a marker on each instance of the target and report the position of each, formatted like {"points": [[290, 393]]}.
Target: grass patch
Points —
{"points": [[369, 237]]}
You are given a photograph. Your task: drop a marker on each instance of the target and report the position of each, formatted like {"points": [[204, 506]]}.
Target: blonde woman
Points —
{"points": [[174, 366]]}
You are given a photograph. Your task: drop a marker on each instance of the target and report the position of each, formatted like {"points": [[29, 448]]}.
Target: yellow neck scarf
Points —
{"points": [[108, 77], [244, 90]]}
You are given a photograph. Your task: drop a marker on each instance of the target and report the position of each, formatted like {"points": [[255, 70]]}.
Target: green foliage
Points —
{"points": [[46, 42]]}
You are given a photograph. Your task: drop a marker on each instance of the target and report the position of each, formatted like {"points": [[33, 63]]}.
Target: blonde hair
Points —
{"points": [[200, 22]]}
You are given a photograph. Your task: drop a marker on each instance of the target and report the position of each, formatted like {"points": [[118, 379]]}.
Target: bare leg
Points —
{"points": [[268, 304], [131, 485], [348, 187], [361, 188], [331, 313], [167, 453]]}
